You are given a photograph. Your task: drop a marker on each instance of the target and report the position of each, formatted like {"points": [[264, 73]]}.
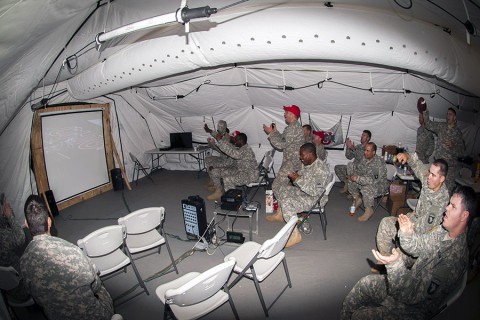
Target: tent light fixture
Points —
{"points": [[389, 90], [40, 104], [268, 86], [183, 15], [178, 96]]}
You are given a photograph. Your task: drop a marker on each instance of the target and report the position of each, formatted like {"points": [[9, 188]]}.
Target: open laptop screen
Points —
{"points": [[181, 140]]}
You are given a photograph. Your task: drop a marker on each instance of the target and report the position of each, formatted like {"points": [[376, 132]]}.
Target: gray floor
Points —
{"points": [[322, 272]]}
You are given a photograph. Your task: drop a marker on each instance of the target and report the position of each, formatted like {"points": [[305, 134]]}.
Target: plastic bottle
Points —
{"points": [[352, 209], [385, 156]]}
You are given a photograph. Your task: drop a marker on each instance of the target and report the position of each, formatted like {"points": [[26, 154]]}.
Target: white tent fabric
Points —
{"points": [[241, 65]]}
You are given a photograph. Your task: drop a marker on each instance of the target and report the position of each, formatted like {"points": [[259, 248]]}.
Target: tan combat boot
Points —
{"points": [[358, 202], [368, 213], [211, 188], [344, 189], [210, 183], [216, 195], [278, 216], [295, 237]]}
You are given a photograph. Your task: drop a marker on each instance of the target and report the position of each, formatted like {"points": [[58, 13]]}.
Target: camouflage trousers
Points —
{"points": [[292, 200], [281, 178], [368, 191], [218, 173], [220, 161], [341, 172], [386, 234], [368, 300]]}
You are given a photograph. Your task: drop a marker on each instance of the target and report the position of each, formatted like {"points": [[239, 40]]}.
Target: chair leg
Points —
{"points": [[232, 305], [171, 256], [137, 274], [286, 272], [323, 221], [146, 173], [259, 291]]}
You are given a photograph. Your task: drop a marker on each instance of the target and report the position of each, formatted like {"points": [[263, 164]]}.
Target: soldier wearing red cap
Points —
{"points": [[289, 142], [318, 137]]}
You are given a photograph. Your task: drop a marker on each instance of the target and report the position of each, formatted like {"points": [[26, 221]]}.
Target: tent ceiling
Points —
{"points": [[34, 34]]}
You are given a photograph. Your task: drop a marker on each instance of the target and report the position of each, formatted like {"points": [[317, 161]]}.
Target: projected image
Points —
{"points": [[74, 152]]}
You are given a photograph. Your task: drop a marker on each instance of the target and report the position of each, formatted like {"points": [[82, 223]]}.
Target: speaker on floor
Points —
{"points": [[117, 179], [51, 202]]}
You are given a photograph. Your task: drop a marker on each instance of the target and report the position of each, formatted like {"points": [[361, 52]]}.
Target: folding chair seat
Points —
{"points": [[105, 247], [196, 294], [137, 168], [265, 168], [257, 261], [304, 225], [145, 231], [412, 203], [10, 279]]}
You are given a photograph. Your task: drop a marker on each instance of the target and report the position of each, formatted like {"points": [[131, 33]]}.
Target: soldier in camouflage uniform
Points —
{"points": [[308, 184], [368, 177], [289, 142], [307, 132], [244, 170], [417, 293], [425, 141], [58, 275], [450, 144], [220, 161], [355, 152], [431, 203], [318, 142], [12, 239]]}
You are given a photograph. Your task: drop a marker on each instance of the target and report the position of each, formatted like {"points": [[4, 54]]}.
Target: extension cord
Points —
{"points": [[201, 245]]}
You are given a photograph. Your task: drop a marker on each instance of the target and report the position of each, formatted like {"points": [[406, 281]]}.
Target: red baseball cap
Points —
{"points": [[293, 109], [321, 134]]}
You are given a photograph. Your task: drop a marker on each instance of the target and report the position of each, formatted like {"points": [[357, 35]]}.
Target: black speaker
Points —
{"points": [[117, 179], [51, 202]]}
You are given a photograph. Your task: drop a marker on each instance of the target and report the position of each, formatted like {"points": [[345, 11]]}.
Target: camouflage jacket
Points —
{"points": [[371, 172], [244, 157], [431, 205], [444, 133], [321, 152], [289, 141], [425, 143], [440, 265], [357, 154], [63, 281], [12, 238]]}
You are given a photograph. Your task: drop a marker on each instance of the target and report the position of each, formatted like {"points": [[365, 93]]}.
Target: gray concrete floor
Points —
{"points": [[322, 271]]}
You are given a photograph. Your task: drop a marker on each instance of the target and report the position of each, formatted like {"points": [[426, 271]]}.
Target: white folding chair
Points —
{"points": [[104, 247], [265, 168], [137, 168], [145, 231], [197, 294], [9, 280], [317, 208], [412, 204], [464, 177], [257, 261]]}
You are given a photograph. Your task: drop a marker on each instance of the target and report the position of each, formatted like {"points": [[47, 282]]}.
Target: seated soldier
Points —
{"points": [[308, 184], [243, 171], [368, 178], [317, 140]]}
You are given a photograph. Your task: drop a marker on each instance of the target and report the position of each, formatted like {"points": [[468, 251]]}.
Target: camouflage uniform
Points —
{"points": [[307, 188], [444, 133], [372, 179], [411, 294], [357, 154], [222, 160], [321, 152], [427, 214], [244, 170], [12, 239], [425, 144], [289, 142], [62, 280]]}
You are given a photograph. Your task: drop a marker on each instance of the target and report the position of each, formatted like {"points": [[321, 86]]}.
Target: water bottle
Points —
{"points": [[352, 209]]}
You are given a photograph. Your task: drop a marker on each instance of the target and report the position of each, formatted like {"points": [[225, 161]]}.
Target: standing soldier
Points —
{"points": [[450, 145], [431, 203], [289, 142], [244, 170], [368, 178], [425, 141], [308, 184], [355, 152]]}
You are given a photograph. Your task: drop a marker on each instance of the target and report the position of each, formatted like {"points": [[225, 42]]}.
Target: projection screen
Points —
{"points": [[74, 152]]}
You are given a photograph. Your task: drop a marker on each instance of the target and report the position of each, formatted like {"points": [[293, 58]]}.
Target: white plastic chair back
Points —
{"points": [[274, 245], [9, 278], [465, 173], [329, 186], [103, 241], [391, 172], [456, 292], [201, 287], [143, 220]]}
